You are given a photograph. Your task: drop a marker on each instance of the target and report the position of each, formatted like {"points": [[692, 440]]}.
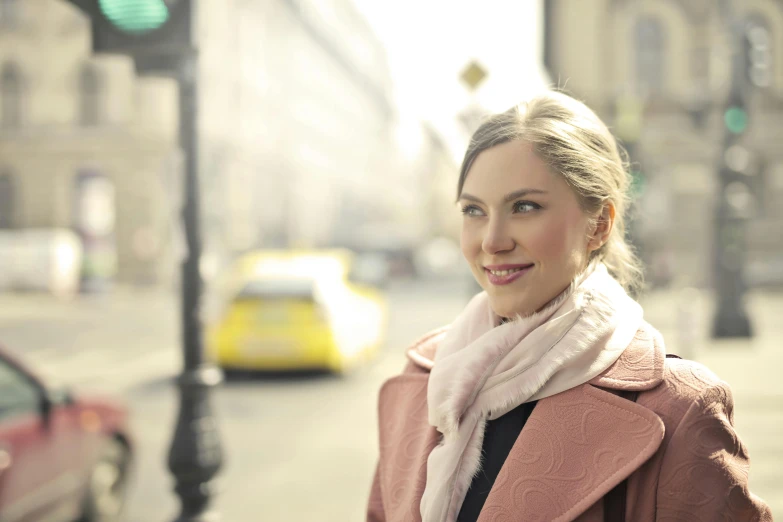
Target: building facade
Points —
{"points": [[84, 143], [296, 134], [297, 125], [667, 64]]}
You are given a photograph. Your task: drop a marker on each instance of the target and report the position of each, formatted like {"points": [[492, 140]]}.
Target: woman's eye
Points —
{"points": [[472, 210], [523, 207]]}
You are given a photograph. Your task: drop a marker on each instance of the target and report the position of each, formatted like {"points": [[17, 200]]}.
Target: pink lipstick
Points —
{"points": [[505, 274]]}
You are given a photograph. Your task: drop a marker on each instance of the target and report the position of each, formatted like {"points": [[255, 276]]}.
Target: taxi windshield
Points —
{"points": [[278, 288]]}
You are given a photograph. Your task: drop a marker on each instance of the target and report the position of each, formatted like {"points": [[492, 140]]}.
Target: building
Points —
{"points": [[297, 125], [84, 142], [658, 72], [296, 134]]}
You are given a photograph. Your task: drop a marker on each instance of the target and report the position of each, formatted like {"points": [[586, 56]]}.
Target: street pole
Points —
{"points": [[732, 212], [195, 455]]}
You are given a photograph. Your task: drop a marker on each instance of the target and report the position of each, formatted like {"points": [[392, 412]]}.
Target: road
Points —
{"points": [[296, 448], [304, 448]]}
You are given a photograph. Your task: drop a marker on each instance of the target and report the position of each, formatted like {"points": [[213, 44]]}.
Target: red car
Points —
{"points": [[62, 457]]}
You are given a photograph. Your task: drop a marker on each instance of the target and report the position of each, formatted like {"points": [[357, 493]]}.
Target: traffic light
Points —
{"points": [[750, 67], [140, 28], [758, 55], [136, 17], [736, 119], [737, 187]]}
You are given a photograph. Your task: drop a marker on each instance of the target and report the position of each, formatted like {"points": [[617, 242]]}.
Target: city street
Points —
{"points": [[304, 447], [147, 143]]}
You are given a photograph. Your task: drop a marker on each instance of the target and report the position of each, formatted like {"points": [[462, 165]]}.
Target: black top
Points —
{"points": [[499, 437]]}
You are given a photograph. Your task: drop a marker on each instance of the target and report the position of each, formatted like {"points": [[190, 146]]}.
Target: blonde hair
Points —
{"points": [[576, 144]]}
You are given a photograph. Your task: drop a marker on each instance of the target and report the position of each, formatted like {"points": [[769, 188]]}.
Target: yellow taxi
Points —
{"points": [[295, 310]]}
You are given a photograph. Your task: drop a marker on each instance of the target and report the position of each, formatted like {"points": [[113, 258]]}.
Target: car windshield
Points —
{"points": [[278, 288]]}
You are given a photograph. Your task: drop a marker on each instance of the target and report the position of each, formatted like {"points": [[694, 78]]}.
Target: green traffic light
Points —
{"points": [[736, 120], [135, 16]]}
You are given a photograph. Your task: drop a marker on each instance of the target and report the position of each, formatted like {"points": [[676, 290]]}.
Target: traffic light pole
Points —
{"points": [[159, 36], [731, 317], [195, 455]]}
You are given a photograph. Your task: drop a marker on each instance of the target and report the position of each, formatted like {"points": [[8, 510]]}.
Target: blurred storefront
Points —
{"points": [[659, 73]]}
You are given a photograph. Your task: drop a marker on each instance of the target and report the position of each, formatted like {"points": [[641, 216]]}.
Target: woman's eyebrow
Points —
{"points": [[511, 196]]}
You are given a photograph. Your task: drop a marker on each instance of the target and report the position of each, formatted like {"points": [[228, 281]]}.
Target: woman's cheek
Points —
{"points": [[548, 240], [464, 241], [470, 243]]}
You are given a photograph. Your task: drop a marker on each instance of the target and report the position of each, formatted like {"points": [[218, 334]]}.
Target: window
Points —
{"points": [[18, 394], [89, 88], [9, 13], [650, 46], [11, 96], [283, 288], [6, 201]]}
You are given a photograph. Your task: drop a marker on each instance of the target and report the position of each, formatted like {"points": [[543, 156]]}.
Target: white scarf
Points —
{"points": [[483, 370]]}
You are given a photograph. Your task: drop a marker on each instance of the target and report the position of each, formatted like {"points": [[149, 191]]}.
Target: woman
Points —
{"points": [[549, 397]]}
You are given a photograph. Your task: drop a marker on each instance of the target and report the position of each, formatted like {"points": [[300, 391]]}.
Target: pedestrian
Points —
{"points": [[549, 397]]}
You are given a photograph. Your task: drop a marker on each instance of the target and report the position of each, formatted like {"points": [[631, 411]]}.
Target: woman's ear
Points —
{"points": [[603, 227]]}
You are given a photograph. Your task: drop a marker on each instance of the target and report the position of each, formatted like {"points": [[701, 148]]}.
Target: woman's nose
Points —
{"points": [[497, 239]]}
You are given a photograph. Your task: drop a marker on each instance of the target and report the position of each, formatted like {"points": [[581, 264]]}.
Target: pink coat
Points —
{"points": [[675, 446]]}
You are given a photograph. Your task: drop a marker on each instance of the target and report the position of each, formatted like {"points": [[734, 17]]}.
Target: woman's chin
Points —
{"points": [[511, 310]]}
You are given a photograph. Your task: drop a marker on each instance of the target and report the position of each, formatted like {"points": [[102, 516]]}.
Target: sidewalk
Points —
{"points": [[752, 367]]}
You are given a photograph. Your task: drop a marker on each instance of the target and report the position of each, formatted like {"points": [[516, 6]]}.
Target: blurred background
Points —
{"points": [[327, 137]]}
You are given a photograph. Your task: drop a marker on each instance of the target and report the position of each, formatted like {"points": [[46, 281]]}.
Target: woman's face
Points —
{"points": [[524, 234]]}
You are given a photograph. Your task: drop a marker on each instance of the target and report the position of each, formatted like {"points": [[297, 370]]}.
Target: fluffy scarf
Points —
{"points": [[484, 369]]}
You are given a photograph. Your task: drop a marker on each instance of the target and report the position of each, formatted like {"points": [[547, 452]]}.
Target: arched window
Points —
{"points": [[6, 201], [89, 89], [650, 54], [11, 96]]}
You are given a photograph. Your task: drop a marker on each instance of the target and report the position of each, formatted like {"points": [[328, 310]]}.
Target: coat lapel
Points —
{"points": [[578, 445], [575, 447]]}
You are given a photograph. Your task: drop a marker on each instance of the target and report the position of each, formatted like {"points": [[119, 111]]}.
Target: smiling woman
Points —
{"points": [[549, 397], [556, 134], [525, 235]]}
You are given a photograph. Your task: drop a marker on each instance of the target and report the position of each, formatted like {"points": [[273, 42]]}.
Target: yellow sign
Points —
{"points": [[473, 74]]}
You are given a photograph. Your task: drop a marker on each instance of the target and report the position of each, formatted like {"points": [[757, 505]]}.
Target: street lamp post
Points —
{"points": [[195, 455]]}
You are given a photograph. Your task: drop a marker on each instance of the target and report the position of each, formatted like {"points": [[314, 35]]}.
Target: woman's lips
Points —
{"points": [[514, 274]]}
